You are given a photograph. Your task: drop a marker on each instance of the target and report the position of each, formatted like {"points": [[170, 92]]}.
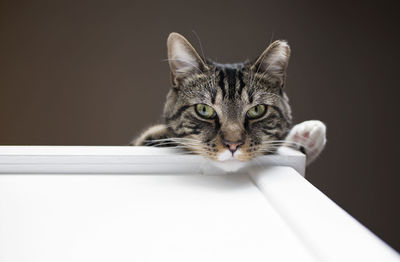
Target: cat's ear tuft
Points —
{"points": [[273, 61], [183, 58]]}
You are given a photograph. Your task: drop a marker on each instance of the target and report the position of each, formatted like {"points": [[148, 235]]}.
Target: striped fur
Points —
{"points": [[231, 90]]}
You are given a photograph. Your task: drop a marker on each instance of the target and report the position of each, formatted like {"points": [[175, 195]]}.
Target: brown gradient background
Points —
{"points": [[92, 73]]}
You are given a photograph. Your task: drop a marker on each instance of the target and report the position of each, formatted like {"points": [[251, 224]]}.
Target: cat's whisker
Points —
{"points": [[272, 143], [158, 140], [267, 152], [270, 150], [175, 139], [278, 141], [191, 144], [186, 148], [186, 145], [292, 144], [201, 46], [258, 69], [176, 142], [187, 153], [277, 144]]}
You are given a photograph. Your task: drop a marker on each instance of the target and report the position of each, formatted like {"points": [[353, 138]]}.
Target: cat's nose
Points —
{"points": [[233, 146]]}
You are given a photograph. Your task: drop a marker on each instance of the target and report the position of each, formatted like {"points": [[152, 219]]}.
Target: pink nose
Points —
{"points": [[232, 146]]}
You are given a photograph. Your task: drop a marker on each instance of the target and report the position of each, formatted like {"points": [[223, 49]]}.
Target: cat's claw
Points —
{"points": [[309, 137]]}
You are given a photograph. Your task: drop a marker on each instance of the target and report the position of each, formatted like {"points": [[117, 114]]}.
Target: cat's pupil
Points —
{"points": [[256, 109], [204, 109]]}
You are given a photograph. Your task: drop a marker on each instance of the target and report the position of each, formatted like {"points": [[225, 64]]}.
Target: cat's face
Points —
{"points": [[227, 111]]}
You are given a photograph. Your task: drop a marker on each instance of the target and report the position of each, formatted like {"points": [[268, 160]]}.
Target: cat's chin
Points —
{"points": [[232, 165], [229, 162]]}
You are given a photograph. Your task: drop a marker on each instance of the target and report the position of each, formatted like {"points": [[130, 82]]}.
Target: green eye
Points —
{"points": [[205, 111], [256, 111]]}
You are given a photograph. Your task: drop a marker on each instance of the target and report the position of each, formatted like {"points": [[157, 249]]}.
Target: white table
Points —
{"points": [[151, 204]]}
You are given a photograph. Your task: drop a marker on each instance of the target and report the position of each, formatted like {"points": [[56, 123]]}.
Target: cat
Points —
{"points": [[230, 113]]}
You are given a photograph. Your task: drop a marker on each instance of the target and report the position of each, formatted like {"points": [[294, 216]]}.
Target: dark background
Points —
{"points": [[91, 73]]}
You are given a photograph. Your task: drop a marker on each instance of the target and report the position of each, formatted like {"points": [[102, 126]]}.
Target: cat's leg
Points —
{"points": [[153, 136], [308, 137]]}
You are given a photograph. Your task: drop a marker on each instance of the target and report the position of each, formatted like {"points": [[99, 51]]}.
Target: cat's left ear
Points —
{"points": [[273, 62], [183, 58]]}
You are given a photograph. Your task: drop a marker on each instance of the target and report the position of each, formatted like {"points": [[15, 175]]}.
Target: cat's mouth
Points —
{"points": [[228, 156], [229, 162]]}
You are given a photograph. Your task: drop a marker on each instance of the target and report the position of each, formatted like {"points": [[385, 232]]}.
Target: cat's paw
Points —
{"points": [[153, 136], [309, 137]]}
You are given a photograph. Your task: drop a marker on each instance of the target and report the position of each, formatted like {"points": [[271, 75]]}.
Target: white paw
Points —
{"points": [[310, 136]]}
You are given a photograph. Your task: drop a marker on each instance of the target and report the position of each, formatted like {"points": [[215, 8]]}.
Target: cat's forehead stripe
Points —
{"points": [[231, 80], [221, 82], [241, 82], [229, 76]]}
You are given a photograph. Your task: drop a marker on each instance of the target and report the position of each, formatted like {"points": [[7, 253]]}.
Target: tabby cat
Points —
{"points": [[230, 113]]}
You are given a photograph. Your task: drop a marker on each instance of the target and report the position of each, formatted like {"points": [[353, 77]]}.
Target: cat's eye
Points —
{"points": [[205, 111], [256, 112]]}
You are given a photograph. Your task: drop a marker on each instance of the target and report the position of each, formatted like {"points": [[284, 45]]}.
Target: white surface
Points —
{"points": [[268, 212], [141, 218], [122, 160], [324, 227]]}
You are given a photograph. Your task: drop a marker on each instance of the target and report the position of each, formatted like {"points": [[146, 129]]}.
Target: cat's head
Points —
{"points": [[227, 112]]}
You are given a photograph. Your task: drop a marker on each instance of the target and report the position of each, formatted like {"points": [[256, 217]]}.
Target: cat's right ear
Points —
{"points": [[273, 61], [183, 58]]}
